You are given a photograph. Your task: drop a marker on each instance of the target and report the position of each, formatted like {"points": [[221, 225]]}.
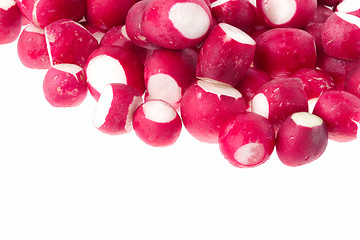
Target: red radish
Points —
{"points": [[206, 106], [225, 55], [337, 69], [112, 64], [328, 2], [349, 6], [106, 14], [315, 82], [239, 13], [341, 36], [315, 29], [288, 13], [281, 51], [69, 42], [257, 31], [168, 73], [43, 12], [98, 33], [352, 83], [251, 82], [133, 25], [322, 13], [10, 21], [247, 140], [31, 48], [157, 123], [278, 99], [176, 24], [302, 139], [115, 108], [65, 85], [340, 111]]}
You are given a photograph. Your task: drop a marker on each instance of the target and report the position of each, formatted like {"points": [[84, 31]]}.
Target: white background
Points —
{"points": [[60, 178]]}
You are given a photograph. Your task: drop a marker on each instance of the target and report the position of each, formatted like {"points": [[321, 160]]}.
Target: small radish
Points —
{"points": [[315, 29], [322, 13], [225, 55], [168, 73], [157, 123], [31, 48], [247, 140], [10, 21], [302, 139], [98, 33], [278, 99], [352, 82], [341, 36], [287, 13], [281, 51], [69, 42], [329, 3], [115, 108], [112, 64], [65, 85], [349, 6], [206, 106], [106, 14], [340, 111], [176, 24]]}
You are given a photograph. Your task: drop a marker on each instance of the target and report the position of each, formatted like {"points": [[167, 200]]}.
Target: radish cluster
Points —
{"points": [[249, 76]]}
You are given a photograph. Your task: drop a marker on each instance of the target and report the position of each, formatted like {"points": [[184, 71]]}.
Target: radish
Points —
{"points": [[302, 139], [349, 6], [352, 82], [157, 123], [168, 73], [247, 140], [281, 51], [225, 55], [315, 29], [341, 36], [98, 33], [65, 85], [288, 13], [321, 14], [10, 21], [43, 12], [340, 111], [329, 2], [106, 14], [176, 24], [115, 108], [31, 48], [240, 13], [278, 99], [112, 64], [69, 42], [206, 106]]}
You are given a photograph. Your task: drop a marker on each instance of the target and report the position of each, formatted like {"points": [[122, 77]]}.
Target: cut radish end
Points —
{"points": [[164, 87], [190, 19], [69, 68], [136, 102], [32, 28], [219, 89], [6, 4], [103, 70], [250, 154], [219, 2], [159, 111], [306, 119], [260, 105], [124, 33], [312, 103], [236, 34], [280, 11], [349, 18], [348, 6], [103, 106]]}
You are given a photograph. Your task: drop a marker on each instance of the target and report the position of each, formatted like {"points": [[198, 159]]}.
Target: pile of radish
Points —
{"points": [[251, 76]]}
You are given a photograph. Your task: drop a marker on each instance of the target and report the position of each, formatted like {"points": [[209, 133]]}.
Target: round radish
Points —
{"points": [[69, 42], [302, 139], [157, 123], [10, 21], [281, 51], [176, 24], [168, 73], [115, 108], [278, 99], [329, 2], [98, 33], [240, 13], [225, 55], [106, 14], [247, 140], [65, 85], [288, 13], [349, 6], [112, 64], [340, 111], [43, 12], [341, 36], [315, 29], [31, 48], [206, 106], [322, 13], [352, 83]]}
